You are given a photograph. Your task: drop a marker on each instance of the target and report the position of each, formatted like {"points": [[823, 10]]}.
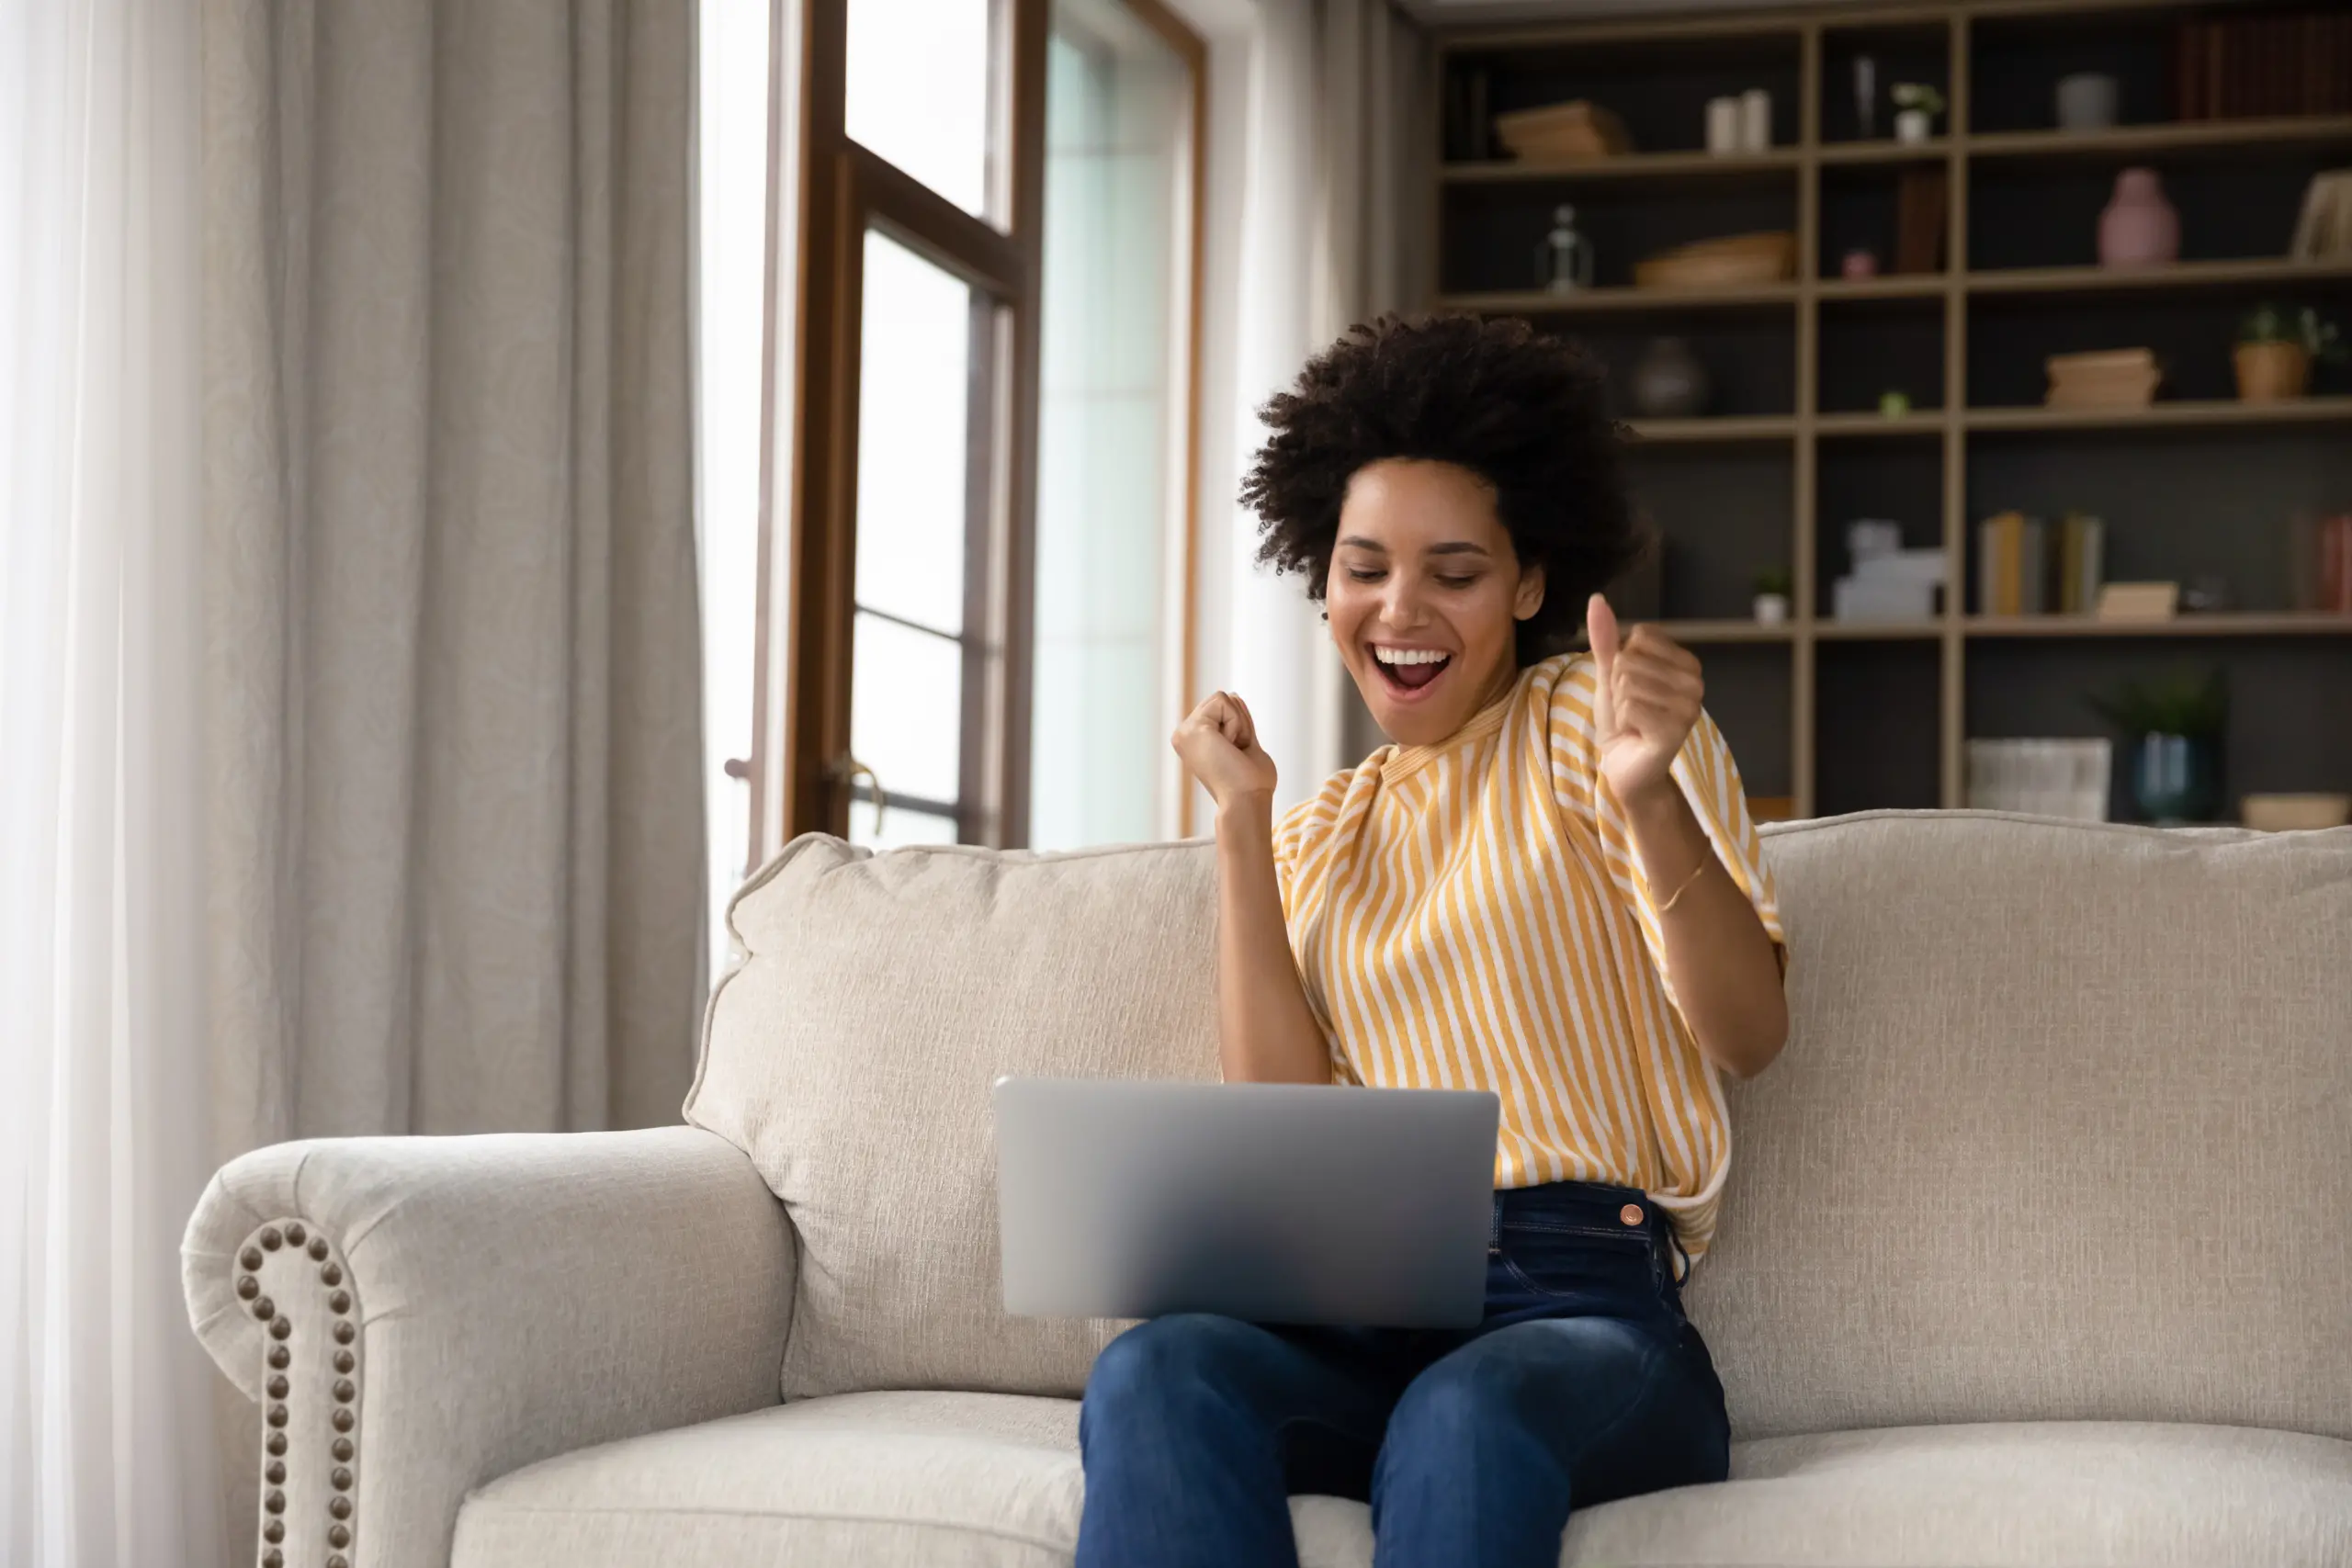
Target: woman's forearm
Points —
{"points": [[1717, 952], [1266, 1033]]}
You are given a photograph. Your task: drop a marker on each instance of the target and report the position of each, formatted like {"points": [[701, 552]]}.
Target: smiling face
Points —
{"points": [[1425, 595]]}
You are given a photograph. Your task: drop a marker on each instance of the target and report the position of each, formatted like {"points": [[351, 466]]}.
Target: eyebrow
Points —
{"points": [[1450, 547]]}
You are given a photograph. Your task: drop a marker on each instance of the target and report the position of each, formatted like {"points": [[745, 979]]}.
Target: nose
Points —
{"points": [[1400, 603]]}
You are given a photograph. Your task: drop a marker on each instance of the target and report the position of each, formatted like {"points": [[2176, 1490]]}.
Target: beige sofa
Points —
{"points": [[2035, 1252]]}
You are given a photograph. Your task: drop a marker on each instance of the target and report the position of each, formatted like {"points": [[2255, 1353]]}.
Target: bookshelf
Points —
{"points": [[1843, 715]]}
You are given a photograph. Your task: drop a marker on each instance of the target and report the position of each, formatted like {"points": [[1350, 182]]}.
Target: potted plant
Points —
{"points": [[2172, 728], [1916, 104], [1773, 590], [2275, 351]]}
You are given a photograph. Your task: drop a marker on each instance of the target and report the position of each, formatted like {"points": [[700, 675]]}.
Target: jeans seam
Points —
{"points": [[1651, 1352], [1630, 1232]]}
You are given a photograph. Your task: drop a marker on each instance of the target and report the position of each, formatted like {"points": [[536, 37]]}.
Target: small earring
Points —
{"points": [[1327, 614]]}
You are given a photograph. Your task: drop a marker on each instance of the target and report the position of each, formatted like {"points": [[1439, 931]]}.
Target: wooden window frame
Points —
{"points": [[842, 189]]}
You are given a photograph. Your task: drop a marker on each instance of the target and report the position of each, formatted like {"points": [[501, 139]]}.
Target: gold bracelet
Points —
{"points": [[1668, 907]]}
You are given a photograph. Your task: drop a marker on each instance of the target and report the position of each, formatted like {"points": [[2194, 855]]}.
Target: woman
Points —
{"points": [[1547, 886]]}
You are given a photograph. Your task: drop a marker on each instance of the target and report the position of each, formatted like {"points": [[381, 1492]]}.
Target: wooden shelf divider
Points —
{"points": [[1697, 632], [1538, 302], [2181, 275], [2178, 415], [2183, 136], [1629, 166], [1722, 429], [2217, 623]]}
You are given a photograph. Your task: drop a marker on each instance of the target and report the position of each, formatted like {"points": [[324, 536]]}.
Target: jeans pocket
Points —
{"points": [[1562, 1261]]}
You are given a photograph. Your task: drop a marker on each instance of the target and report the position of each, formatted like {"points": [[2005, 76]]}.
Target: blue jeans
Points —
{"points": [[1583, 1383]]}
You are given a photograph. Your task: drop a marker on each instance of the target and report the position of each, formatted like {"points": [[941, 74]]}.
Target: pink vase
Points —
{"points": [[2139, 227]]}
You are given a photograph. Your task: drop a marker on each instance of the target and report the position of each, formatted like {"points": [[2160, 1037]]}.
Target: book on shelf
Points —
{"points": [[2333, 585], [2139, 602], [2263, 66], [1921, 196], [2081, 547], [2012, 566], [1468, 127], [2026, 567], [1995, 575]]}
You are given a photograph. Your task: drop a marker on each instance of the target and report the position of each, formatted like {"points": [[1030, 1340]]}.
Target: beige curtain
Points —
{"points": [[455, 830], [1373, 251], [1372, 231]]}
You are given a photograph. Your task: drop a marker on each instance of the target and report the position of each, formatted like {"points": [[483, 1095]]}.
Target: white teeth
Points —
{"points": [[1409, 655]]}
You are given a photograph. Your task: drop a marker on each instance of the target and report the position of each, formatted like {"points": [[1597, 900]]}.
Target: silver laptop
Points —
{"points": [[1275, 1203]]}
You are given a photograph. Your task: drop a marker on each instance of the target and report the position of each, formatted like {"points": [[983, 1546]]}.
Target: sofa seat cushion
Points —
{"points": [[908, 1480], [2080, 1494]]}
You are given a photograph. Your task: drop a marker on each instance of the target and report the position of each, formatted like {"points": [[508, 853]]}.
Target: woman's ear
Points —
{"points": [[1531, 593]]}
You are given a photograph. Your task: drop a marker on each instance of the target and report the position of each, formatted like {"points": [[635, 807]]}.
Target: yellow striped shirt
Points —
{"points": [[1472, 915]]}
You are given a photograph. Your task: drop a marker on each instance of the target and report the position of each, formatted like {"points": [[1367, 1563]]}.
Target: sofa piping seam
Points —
{"points": [[794, 1515]]}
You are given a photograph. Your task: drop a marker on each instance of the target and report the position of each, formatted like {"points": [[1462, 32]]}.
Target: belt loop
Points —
{"points": [[1494, 1225]]}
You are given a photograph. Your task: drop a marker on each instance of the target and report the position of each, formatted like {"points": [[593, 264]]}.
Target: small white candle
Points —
{"points": [[1722, 125]]}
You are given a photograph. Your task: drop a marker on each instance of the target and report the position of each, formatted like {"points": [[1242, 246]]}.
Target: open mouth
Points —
{"points": [[1409, 672]]}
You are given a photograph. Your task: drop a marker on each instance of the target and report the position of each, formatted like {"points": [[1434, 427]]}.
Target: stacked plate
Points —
{"points": [[1728, 263], [2109, 379], [1561, 134]]}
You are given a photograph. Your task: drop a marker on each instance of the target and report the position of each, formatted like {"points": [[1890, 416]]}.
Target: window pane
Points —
{"points": [[918, 92], [897, 827], [1113, 294], [906, 708], [914, 436]]}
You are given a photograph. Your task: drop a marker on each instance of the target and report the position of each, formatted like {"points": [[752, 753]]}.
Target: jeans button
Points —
{"points": [[1631, 1213]]}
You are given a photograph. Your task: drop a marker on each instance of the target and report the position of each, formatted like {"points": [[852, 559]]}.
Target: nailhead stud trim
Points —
{"points": [[297, 1236]]}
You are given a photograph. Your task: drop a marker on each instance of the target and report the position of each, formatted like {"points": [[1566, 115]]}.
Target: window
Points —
{"points": [[986, 522], [922, 78]]}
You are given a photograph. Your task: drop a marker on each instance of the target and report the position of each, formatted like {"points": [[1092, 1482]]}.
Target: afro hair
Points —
{"points": [[1526, 413]]}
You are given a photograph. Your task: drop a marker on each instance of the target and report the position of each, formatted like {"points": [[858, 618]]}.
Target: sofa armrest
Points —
{"points": [[420, 1315]]}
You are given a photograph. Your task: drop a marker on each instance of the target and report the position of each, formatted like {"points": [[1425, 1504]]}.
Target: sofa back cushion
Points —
{"points": [[850, 1056], [2063, 1131]]}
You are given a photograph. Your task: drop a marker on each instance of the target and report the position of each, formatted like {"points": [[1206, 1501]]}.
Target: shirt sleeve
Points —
{"points": [[1709, 780], [1296, 832]]}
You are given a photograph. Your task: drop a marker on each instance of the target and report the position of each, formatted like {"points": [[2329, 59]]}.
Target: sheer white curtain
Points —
{"points": [[106, 1449]]}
